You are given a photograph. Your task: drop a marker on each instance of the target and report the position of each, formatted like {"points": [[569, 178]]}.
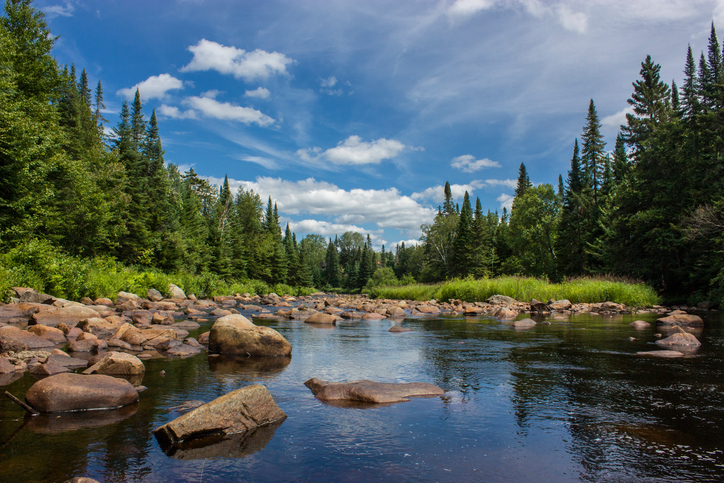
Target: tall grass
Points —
{"points": [[584, 290], [45, 268]]}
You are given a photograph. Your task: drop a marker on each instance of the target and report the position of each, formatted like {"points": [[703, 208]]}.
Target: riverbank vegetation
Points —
{"points": [[583, 290], [85, 213]]}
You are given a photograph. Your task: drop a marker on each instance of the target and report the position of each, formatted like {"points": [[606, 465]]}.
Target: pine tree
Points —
{"points": [[448, 206], [523, 182], [592, 153], [331, 272], [464, 244], [570, 245], [689, 92]]}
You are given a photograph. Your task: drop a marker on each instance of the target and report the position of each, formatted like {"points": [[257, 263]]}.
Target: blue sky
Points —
{"points": [[353, 114]]}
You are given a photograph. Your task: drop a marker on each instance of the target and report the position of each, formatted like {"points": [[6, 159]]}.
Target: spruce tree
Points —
{"points": [[464, 244], [592, 153], [331, 272], [689, 92], [448, 206], [523, 181]]}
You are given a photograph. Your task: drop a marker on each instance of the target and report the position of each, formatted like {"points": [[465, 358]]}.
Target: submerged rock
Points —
{"points": [[239, 411], [370, 391], [524, 323], [321, 318], [77, 392]]}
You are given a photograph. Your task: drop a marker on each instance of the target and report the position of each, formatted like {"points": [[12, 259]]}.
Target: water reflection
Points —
{"points": [[54, 424]]}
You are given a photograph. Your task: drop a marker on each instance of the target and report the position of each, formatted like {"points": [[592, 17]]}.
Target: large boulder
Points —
{"points": [[505, 313], [396, 313], [99, 327], [564, 304], [370, 391], [682, 320], [54, 335], [154, 295], [15, 339], [77, 392], [427, 309], [239, 411], [679, 339], [639, 324], [69, 316], [124, 297], [524, 323], [501, 300], [236, 335], [117, 364], [176, 292]]}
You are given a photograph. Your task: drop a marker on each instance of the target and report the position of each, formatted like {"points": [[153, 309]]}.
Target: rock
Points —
{"points": [[538, 306], [472, 310], [104, 301], [120, 344], [34, 297], [397, 328], [54, 335], [682, 320], [86, 336], [236, 335], [370, 391], [117, 364], [501, 300], [564, 304], [639, 324], [193, 343], [427, 309], [321, 318], [154, 295], [69, 316], [81, 479], [15, 339], [524, 323], [707, 305], [162, 319], [183, 350], [77, 392], [679, 338], [67, 361], [88, 345], [505, 313], [396, 313], [220, 312], [101, 328], [373, 316], [203, 338], [239, 411], [663, 353], [176, 292], [47, 369], [124, 297], [5, 366]]}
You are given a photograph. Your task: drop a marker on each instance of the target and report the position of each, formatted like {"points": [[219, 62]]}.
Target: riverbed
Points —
{"points": [[569, 401]]}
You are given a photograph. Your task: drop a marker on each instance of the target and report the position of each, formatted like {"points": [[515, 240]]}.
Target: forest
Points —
{"points": [[78, 188]]}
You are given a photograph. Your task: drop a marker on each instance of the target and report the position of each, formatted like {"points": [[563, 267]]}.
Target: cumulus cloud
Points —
{"points": [[329, 82], [573, 21], [465, 8], [383, 208], [226, 111], [506, 201], [353, 151], [249, 66], [469, 164], [176, 113], [437, 193], [613, 122], [155, 87], [509, 183], [258, 93]]}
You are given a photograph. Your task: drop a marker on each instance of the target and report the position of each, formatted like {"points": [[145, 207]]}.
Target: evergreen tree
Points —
{"points": [[464, 244], [331, 272], [523, 181], [689, 92], [592, 154], [448, 206]]}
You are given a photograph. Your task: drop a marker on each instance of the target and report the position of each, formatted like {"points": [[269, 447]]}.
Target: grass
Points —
{"points": [[44, 268], [582, 290]]}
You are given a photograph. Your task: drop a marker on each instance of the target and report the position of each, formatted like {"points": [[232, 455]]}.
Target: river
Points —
{"points": [[570, 401]]}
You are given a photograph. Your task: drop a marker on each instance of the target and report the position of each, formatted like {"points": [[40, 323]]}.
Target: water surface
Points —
{"points": [[566, 402]]}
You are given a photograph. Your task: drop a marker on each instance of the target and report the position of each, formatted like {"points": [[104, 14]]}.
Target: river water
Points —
{"points": [[570, 401]]}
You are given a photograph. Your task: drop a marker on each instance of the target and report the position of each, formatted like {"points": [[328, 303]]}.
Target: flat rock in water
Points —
{"points": [[564, 304], [667, 354], [682, 320], [639, 324], [236, 412], [524, 323], [77, 392], [427, 309], [370, 391], [321, 318], [397, 328], [679, 338], [67, 361]]}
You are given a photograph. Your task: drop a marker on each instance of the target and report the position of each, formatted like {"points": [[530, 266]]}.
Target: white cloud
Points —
{"points": [[155, 87], [330, 82], [175, 113], [323, 228], [211, 94], [469, 164], [53, 11], [210, 107], [465, 8], [354, 151], [383, 208], [613, 122], [506, 201], [437, 193], [408, 243], [258, 93], [249, 66], [573, 21], [261, 161], [510, 183]]}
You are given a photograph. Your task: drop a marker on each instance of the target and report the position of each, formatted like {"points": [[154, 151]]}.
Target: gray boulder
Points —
{"points": [[77, 392], [501, 300], [176, 292], [154, 295], [524, 323], [239, 411], [236, 335]]}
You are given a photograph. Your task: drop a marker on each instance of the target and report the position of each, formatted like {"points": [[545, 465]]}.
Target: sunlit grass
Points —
{"points": [[584, 290]]}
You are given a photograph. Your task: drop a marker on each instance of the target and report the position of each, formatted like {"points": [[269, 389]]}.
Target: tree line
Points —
{"points": [[650, 209]]}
